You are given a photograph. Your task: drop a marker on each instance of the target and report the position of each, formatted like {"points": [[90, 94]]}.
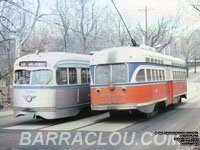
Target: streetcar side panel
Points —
{"points": [[138, 95], [41, 90]]}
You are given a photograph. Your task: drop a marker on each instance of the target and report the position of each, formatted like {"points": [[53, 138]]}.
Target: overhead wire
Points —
{"points": [[51, 22], [132, 40]]}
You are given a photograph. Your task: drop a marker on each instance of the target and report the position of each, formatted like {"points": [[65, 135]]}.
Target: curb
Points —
{"points": [[6, 113]]}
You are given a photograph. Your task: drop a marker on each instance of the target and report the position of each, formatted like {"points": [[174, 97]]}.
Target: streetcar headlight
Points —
{"points": [[98, 90], [29, 98], [124, 89]]}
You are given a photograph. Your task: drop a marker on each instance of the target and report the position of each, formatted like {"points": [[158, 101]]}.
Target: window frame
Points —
{"points": [[111, 72], [160, 74], [144, 77], [67, 81], [157, 74], [86, 73], [75, 74], [30, 77], [149, 74]]}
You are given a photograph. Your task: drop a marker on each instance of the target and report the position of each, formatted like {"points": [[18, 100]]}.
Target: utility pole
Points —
{"points": [[146, 23]]}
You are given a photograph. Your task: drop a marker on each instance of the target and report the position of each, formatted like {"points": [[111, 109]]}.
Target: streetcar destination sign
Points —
{"points": [[33, 64]]}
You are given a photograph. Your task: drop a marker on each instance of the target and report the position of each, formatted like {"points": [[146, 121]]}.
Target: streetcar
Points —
{"points": [[136, 78], [51, 85]]}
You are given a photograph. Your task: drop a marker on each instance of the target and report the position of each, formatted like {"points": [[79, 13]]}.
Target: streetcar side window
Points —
{"points": [[184, 75], [147, 59], [163, 73], [175, 75], [153, 74], [148, 75], [160, 75], [22, 77], [156, 74], [61, 76], [181, 75], [72, 76], [140, 77], [84, 75]]}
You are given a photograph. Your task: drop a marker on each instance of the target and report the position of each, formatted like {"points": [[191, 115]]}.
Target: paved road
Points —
{"points": [[101, 132]]}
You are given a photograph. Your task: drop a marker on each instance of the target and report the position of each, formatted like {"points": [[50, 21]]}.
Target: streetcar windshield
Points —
{"points": [[41, 77], [112, 73], [36, 77], [102, 74], [22, 77]]}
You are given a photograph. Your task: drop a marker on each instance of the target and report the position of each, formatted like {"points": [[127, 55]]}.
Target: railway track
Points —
{"points": [[95, 120], [103, 117], [196, 90]]}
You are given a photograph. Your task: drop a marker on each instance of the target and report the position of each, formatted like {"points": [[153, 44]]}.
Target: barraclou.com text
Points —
{"points": [[93, 138]]}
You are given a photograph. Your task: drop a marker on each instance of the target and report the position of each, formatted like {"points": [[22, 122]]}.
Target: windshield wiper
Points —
{"points": [[47, 82]]}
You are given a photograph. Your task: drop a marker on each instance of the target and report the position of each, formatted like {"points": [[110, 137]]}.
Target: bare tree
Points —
{"points": [[162, 34], [189, 48], [21, 38], [15, 18], [7, 32], [14, 32], [87, 14], [196, 6], [62, 10], [122, 33]]}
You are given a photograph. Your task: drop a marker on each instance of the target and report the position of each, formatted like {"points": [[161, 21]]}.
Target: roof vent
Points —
{"points": [[147, 48]]}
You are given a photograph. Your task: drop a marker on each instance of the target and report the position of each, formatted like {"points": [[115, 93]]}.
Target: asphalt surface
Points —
{"points": [[98, 131]]}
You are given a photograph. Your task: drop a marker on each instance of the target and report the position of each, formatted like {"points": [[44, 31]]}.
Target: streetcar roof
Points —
{"points": [[56, 59], [131, 54]]}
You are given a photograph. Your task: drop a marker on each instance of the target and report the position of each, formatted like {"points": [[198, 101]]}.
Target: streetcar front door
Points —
{"points": [[169, 85]]}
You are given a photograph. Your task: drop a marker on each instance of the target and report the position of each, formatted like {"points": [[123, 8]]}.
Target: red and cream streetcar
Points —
{"points": [[136, 78]]}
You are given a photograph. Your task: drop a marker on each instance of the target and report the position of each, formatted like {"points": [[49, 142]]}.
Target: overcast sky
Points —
{"points": [[158, 8]]}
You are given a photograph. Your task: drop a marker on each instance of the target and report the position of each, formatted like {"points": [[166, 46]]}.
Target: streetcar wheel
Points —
{"points": [[152, 114], [136, 113]]}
